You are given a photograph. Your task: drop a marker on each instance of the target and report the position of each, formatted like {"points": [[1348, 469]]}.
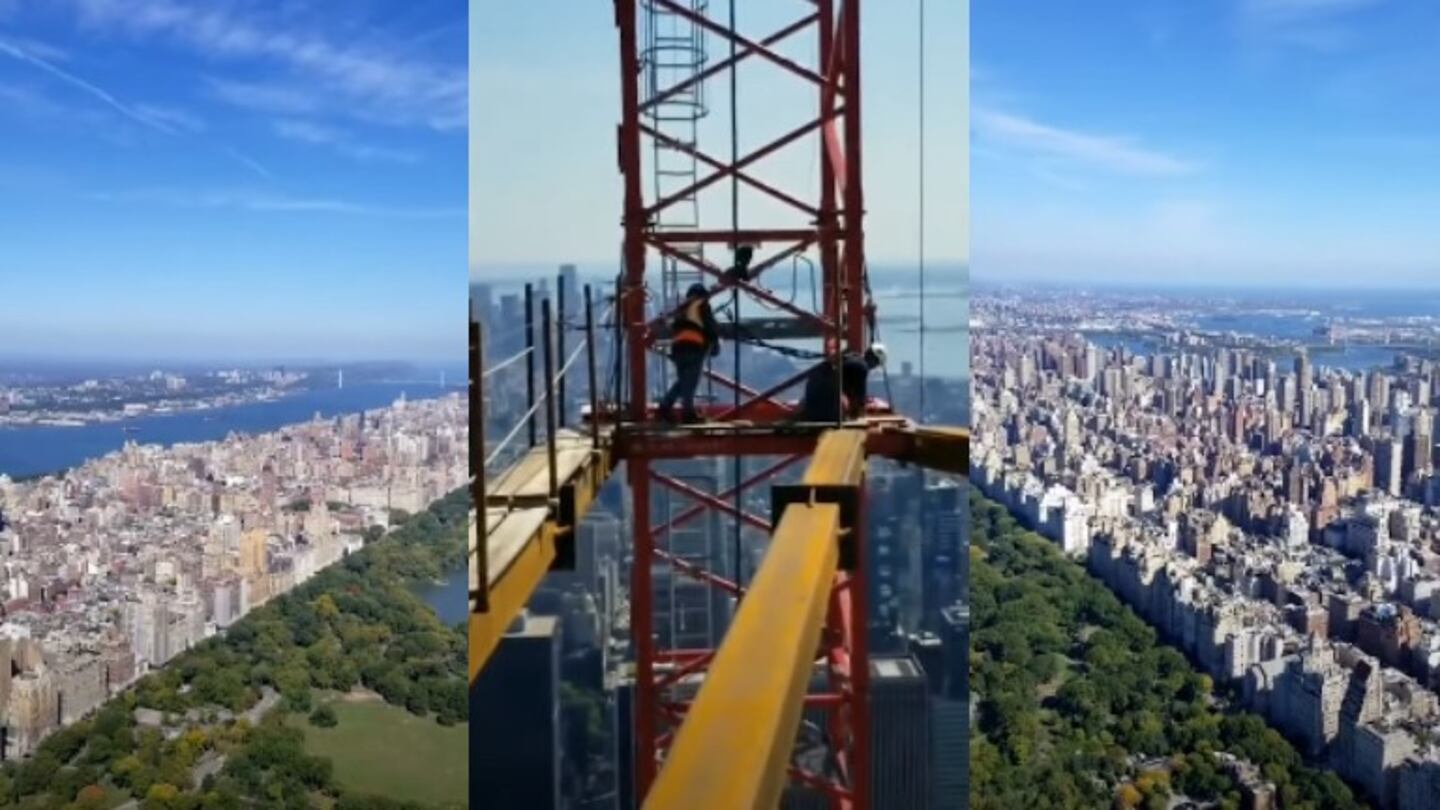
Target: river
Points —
{"points": [[41, 449]]}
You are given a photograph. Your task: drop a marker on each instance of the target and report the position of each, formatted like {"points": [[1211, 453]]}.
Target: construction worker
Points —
{"points": [[821, 398], [693, 337]]}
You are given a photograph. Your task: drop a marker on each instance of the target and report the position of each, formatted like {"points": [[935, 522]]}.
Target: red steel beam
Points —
{"points": [[757, 292], [654, 447], [711, 501], [725, 64], [767, 394], [690, 667], [743, 177], [853, 284], [726, 35], [750, 235], [799, 247], [696, 572], [763, 475], [642, 632], [730, 168]]}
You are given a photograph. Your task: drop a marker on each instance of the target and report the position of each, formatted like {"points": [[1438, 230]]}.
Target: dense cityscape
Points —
{"points": [[113, 399], [1269, 513], [119, 565], [917, 623]]}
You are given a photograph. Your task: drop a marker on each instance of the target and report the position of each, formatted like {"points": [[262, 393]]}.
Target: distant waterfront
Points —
{"points": [[37, 450], [1293, 318]]}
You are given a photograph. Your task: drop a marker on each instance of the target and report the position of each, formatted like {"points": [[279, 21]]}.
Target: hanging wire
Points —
{"points": [[735, 293], [512, 359], [922, 209]]}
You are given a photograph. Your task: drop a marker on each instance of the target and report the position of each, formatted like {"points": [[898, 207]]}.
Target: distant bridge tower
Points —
{"points": [[340, 378]]}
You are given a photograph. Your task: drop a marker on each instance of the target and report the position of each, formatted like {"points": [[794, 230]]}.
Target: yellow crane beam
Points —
{"points": [[734, 748], [735, 745], [943, 449]]}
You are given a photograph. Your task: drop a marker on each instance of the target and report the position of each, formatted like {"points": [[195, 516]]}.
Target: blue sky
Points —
{"points": [[1224, 141], [232, 179], [545, 93]]}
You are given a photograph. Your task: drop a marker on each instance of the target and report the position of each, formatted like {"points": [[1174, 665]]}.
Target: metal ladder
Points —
{"points": [[675, 51]]}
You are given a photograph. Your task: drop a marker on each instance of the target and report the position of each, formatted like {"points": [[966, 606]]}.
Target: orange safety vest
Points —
{"points": [[688, 326]]}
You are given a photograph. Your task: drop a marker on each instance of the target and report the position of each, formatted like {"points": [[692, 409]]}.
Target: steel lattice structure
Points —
{"points": [[835, 209]]}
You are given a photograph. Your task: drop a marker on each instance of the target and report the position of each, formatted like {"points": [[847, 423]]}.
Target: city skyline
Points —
{"points": [[243, 182], [1274, 141], [1260, 487]]}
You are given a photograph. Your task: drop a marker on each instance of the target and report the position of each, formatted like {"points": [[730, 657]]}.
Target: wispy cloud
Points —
{"points": [[135, 114], [368, 81], [341, 141], [176, 118], [28, 102], [1316, 25], [1112, 153], [1294, 10], [267, 202], [273, 98], [164, 119], [248, 162]]}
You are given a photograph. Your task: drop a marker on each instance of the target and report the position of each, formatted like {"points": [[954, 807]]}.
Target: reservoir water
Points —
{"points": [[450, 598]]}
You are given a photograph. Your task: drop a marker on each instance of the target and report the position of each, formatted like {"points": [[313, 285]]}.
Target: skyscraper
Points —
{"points": [[942, 544], [570, 277], [1388, 457], [901, 769], [515, 739]]}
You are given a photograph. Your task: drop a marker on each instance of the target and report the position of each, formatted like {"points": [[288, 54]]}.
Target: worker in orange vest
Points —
{"points": [[693, 337]]}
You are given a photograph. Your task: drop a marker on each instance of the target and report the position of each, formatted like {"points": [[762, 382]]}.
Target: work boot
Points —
{"points": [[693, 418], [667, 416]]}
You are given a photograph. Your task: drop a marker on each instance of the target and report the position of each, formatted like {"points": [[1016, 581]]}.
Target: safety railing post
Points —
{"points": [[530, 359], [549, 349], [590, 362], [619, 323], [477, 464], [560, 347]]}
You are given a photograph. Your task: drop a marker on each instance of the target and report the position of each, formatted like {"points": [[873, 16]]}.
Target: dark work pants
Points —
{"points": [[689, 360]]}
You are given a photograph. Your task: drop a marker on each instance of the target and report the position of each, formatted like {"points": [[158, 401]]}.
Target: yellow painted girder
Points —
{"points": [[508, 594], [582, 470], [839, 459], [734, 748]]}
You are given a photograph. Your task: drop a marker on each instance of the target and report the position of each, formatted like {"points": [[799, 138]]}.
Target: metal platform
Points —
{"points": [[529, 529]]}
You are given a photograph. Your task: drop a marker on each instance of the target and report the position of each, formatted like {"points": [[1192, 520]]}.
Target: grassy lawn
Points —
{"points": [[384, 750]]}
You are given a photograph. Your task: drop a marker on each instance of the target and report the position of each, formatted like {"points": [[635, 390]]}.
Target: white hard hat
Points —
{"points": [[878, 349]]}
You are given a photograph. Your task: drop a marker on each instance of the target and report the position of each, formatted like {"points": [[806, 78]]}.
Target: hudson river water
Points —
{"points": [[27, 451]]}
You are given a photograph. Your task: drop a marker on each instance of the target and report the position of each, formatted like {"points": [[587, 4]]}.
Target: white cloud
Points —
{"points": [[1117, 154], [135, 114], [273, 98], [308, 132], [1315, 25], [176, 118], [248, 162], [368, 81], [266, 202], [1293, 10], [341, 141]]}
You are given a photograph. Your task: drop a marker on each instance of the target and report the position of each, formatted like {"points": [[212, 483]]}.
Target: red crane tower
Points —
{"points": [[835, 210]]}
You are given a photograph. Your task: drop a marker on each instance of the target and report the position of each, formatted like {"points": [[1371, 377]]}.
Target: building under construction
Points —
{"points": [[744, 683]]}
